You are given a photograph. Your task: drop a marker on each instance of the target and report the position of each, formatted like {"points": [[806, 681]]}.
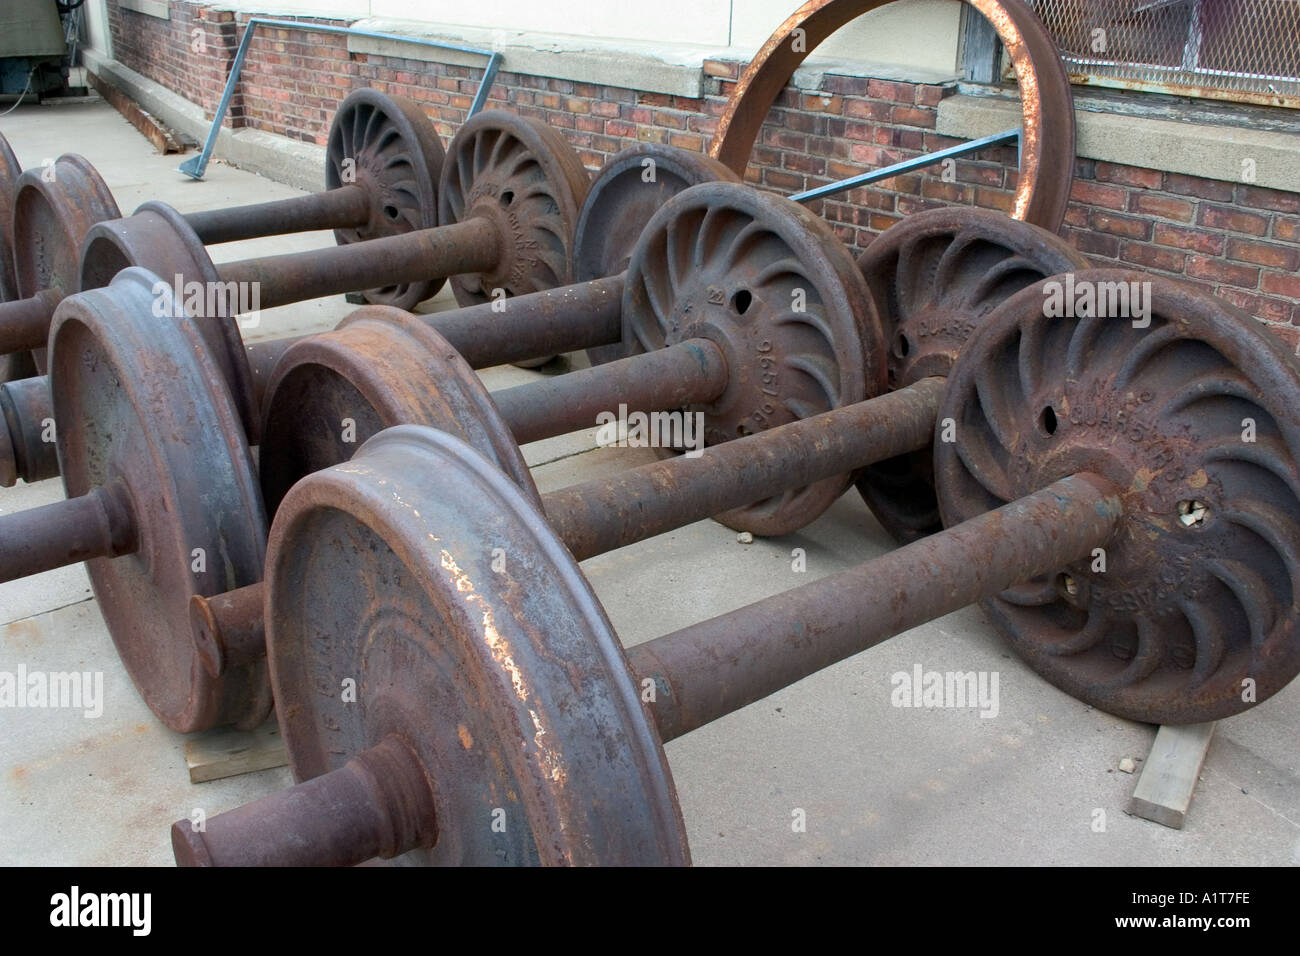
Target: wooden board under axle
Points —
{"points": [[1164, 791], [227, 753]]}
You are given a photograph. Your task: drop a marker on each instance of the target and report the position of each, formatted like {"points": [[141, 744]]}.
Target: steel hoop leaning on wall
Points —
{"points": [[1047, 141]]}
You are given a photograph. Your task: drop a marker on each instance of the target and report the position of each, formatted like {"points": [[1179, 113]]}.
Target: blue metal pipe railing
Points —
{"points": [[196, 165], [907, 166]]}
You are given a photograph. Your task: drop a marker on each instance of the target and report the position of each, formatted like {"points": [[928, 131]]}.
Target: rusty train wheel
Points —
{"points": [[10, 170], [387, 145], [21, 365], [140, 407], [935, 276], [54, 208], [507, 681], [523, 177], [1201, 587], [620, 203], [1047, 153], [771, 285], [159, 238], [381, 367]]}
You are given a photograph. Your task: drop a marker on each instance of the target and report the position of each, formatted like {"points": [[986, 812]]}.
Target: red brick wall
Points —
{"points": [[1240, 242], [164, 50]]}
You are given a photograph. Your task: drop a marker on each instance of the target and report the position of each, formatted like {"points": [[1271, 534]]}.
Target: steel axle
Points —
{"points": [[700, 673], [425, 516], [384, 162], [582, 315]]}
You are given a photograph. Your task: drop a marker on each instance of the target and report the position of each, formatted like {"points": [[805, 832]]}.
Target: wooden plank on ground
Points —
{"points": [[216, 754], [163, 139], [1164, 791]]}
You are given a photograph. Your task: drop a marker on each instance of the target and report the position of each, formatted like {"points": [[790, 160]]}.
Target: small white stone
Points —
{"points": [[745, 537], [1127, 765]]}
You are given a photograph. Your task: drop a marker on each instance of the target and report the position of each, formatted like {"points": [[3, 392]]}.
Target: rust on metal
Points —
{"points": [[624, 195], [692, 372], [378, 804], [27, 448], [538, 724], [145, 415], [381, 367], [1193, 412], [522, 179], [54, 208], [10, 170], [164, 140], [228, 628], [783, 333], [935, 277], [711, 669], [602, 514], [97, 524], [772, 286], [1048, 133]]}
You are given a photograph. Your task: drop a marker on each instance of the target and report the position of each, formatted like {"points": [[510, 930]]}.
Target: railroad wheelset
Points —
{"points": [[381, 570], [534, 324], [383, 163], [176, 676]]}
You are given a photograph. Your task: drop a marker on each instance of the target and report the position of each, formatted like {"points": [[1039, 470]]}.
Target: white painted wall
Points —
{"points": [[915, 34], [919, 34]]}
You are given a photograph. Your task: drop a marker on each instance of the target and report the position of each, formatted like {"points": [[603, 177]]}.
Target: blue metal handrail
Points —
{"points": [[196, 165], [919, 162]]}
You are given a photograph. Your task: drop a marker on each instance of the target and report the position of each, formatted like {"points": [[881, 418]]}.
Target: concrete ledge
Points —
{"points": [[652, 68], [150, 8], [814, 70], [647, 67], [284, 160], [1193, 149]]}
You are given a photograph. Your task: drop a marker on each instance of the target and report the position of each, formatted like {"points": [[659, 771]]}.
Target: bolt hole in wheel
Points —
{"points": [[741, 301], [1047, 421], [1193, 514], [902, 347], [507, 198], [391, 212]]}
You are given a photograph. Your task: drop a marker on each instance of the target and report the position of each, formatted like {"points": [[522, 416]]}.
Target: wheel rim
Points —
{"points": [[54, 208], [380, 368], [10, 170], [620, 203], [505, 680], [140, 406]]}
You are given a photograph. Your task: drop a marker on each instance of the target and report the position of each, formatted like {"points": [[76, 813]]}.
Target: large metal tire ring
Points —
{"points": [[1047, 147]]}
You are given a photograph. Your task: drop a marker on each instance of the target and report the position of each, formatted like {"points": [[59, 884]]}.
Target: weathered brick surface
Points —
{"points": [[1237, 240]]}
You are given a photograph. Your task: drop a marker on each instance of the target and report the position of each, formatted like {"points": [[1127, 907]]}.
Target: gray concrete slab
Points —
{"points": [[874, 783]]}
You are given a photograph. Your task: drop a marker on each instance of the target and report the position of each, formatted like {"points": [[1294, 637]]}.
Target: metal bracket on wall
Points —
{"points": [[195, 166]]}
